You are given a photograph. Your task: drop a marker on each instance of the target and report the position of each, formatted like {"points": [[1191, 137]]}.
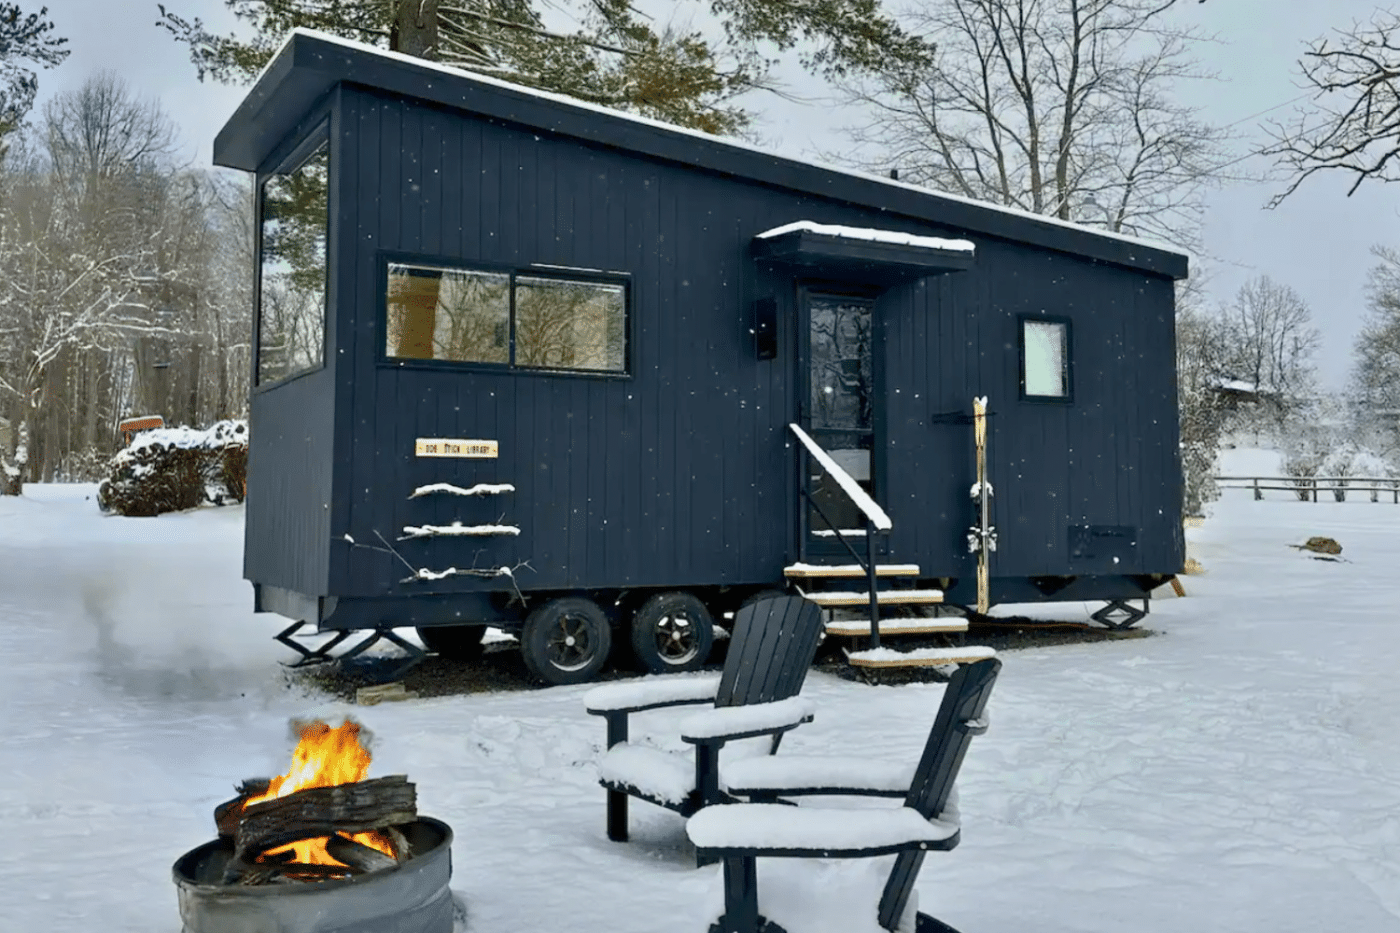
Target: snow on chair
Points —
{"points": [[755, 695], [740, 833]]}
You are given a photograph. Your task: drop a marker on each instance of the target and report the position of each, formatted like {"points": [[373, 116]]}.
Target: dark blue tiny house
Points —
{"points": [[528, 362]]}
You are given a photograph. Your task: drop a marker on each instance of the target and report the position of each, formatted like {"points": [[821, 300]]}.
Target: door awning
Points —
{"points": [[862, 252]]}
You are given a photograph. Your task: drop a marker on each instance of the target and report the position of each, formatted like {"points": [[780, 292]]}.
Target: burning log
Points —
{"points": [[358, 855], [226, 814], [320, 812]]}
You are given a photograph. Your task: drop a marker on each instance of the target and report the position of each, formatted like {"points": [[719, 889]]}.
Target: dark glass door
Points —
{"points": [[839, 414]]}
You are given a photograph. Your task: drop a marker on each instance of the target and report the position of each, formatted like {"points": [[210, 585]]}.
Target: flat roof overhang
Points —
{"points": [[309, 66], [859, 258]]}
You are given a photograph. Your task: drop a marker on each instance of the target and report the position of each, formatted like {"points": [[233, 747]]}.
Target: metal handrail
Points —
{"points": [[875, 520]]}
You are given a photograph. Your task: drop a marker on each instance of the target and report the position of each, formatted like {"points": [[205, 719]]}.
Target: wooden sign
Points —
{"points": [[455, 447]]}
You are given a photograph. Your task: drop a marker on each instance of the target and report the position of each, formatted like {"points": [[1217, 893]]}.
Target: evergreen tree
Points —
{"points": [[616, 56], [24, 37]]}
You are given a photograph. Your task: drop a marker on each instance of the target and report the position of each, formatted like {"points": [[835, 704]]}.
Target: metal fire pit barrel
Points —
{"points": [[412, 898]]}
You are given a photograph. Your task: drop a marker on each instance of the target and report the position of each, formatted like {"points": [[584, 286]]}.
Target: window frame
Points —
{"points": [[1067, 367], [297, 156], [559, 273]]}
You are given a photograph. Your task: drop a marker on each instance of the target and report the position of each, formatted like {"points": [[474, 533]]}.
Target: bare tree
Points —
{"points": [[124, 284], [1058, 107], [102, 130], [1375, 375], [1269, 343], [1204, 409], [1352, 124]]}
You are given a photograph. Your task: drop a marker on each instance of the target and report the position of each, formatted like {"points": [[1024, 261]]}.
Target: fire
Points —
{"points": [[324, 757]]}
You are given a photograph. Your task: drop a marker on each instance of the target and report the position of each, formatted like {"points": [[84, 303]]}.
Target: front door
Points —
{"points": [[839, 414]]}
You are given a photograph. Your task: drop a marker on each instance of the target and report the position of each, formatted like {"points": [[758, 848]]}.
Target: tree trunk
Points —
{"points": [[415, 29]]}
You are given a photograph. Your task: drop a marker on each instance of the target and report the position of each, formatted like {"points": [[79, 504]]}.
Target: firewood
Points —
{"points": [[324, 811], [358, 855], [402, 849], [226, 814], [297, 871]]}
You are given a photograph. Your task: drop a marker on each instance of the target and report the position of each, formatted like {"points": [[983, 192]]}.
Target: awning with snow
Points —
{"points": [[879, 255]]}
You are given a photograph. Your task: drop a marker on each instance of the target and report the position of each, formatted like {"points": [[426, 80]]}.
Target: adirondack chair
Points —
{"points": [[739, 833], [770, 651]]}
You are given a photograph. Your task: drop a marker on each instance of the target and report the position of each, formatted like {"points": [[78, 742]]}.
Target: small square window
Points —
{"points": [[1045, 359]]}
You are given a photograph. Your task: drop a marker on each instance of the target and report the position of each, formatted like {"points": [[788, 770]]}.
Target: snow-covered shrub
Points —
{"points": [[82, 466], [170, 469], [1338, 466], [1304, 450]]}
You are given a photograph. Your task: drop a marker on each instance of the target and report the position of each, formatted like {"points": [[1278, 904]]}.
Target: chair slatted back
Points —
{"points": [[770, 651], [960, 717]]}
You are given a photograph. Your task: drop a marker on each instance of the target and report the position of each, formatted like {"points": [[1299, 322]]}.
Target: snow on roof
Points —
{"points": [[486, 80], [871, 235], [1238, 385]]}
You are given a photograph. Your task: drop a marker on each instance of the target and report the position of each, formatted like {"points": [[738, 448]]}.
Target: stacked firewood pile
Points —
{"points": [[170, 469], [318, 833]]}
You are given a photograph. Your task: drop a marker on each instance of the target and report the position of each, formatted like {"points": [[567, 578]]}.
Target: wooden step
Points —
{"points": [[850, 570], [883, 598], [919, 657], [861, 627]]}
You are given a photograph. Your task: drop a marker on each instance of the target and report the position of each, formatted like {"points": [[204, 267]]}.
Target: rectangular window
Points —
{"points": [[448, 314], [526, 321], [1045, 359], [292, 268]]}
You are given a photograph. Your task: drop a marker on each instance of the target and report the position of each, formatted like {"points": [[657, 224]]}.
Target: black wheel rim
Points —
{"points": [[571, 644], [677, 639]]}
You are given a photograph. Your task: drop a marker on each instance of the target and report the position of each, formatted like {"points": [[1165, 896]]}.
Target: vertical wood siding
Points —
{"points": [[684, 473]]}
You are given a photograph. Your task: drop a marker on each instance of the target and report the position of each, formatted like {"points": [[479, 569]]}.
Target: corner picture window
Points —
{"points": [[523, 321], [1045, 359], [292, 269]]}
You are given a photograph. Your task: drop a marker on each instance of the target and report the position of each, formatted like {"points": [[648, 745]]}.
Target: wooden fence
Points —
{"points": [[1306, 488]]}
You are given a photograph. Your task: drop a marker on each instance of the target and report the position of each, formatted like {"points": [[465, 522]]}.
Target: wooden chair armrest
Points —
{"points": [[651, 693], [728, 723]]}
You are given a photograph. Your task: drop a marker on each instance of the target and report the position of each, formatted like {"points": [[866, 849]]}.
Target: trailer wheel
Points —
{"points": [[672, 632], [454, 642], [566, 641]]}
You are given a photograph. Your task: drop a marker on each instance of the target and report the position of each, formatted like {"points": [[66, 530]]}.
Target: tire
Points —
{"points": [[672, 632], [454, 642], [566, 641]]}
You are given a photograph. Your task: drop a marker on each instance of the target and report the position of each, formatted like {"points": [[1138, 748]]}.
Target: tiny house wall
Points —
{"points": [[683, 472]]}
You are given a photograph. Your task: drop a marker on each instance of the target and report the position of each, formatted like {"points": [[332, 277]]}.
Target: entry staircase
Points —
{"points": [[835, 586]]}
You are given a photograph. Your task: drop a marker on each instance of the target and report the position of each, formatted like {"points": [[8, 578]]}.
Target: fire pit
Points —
{"points": [[320, 850]]}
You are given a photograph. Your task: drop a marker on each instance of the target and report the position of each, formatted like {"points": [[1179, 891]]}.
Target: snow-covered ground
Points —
{"points": [[1238, 773]]}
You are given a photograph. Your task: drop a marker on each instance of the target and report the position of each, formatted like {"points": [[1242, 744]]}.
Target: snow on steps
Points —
{"points": [[850, 570], [850, 628], [919, 657], [884, 597]]}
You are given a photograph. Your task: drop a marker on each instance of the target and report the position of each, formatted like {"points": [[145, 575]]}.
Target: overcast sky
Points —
{"points": [[1317, 242]]}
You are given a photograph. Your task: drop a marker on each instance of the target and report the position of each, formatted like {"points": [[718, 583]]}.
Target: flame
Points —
{"points": [[324, 757]]}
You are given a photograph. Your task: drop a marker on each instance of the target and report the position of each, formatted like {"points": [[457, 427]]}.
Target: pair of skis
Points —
{"points": [[982, 537]]}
